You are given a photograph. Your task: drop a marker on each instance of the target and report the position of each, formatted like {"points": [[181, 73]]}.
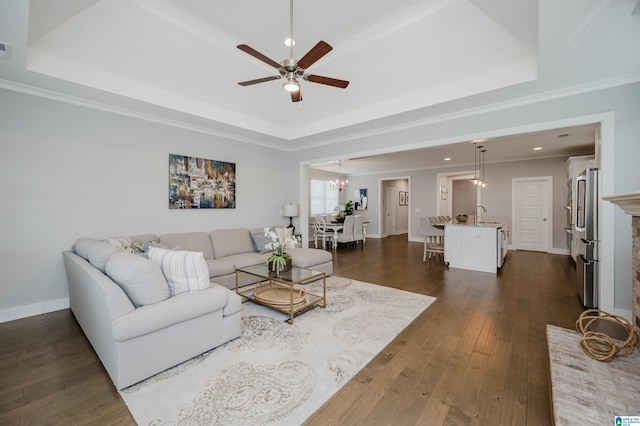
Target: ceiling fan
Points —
{"points": [[292, 69]]}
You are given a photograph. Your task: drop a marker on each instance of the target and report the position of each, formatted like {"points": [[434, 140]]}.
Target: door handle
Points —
{"points": [[544, 219]]}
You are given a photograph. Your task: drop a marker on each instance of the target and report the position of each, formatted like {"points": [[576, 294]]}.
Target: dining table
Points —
{"points": [[335, 226]]}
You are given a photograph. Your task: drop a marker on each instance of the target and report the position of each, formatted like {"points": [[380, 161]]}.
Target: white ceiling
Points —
{"points": [[406, 60]]}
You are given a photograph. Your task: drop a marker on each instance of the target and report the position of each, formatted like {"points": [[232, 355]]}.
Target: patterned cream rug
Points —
{"points": [[276, 373]]}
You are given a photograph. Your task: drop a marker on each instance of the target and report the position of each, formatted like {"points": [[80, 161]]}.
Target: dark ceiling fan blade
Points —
{"points": [[253, 52], [296, 96], [259, 80], [316, 52], [326, 80]]}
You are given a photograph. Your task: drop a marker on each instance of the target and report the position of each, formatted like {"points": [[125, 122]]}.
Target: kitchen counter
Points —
{"points": [[482, 224], [478, 247]]}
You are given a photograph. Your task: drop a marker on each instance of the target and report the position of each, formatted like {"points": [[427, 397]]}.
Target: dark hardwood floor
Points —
{"points": [[477, 356]]}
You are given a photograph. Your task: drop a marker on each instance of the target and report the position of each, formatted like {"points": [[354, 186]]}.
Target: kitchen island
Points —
{"points": [[479, 247]]}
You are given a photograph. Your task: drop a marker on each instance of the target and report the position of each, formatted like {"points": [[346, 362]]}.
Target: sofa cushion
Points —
{"points": [[218, 268], [191, 241], [81, 247], [309, 257], [260, 241], [185, 271], [227, 242], [247, 259], [151, 318], [140, 278], [96, 252]]}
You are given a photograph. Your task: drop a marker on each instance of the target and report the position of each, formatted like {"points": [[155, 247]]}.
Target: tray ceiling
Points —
{"points": [[177, 59]]}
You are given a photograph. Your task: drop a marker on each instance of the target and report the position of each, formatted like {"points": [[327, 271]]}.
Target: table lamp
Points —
{"points": [[291, 210]]}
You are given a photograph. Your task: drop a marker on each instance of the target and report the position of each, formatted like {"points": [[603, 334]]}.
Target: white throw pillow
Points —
{"points": [[96, 252], [185, 271], [140, 278]]}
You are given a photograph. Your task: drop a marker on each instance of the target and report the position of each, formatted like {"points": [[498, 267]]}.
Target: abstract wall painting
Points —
{"points": [[198, 183]]}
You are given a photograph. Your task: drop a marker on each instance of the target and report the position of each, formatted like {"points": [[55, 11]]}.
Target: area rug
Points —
{"points": [[276, 373]]}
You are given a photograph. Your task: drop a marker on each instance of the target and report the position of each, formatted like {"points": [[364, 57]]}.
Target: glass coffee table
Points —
{"points": [[283, 291]]}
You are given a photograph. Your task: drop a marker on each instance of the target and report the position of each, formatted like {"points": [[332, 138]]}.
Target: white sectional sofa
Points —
{"points": [[124, 305]]}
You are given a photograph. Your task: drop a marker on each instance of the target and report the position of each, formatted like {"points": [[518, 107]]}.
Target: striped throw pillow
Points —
{"points": [[185, 271]]}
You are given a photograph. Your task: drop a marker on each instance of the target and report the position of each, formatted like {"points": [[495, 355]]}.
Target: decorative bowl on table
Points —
{"points": [[462, 218]]}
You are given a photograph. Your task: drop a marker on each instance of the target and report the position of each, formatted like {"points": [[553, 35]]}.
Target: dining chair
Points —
{"points": [[433, 237], [358, 229], [320, 232], [345, 235]]}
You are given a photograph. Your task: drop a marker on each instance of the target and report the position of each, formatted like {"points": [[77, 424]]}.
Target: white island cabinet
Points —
{"points": [[479, 248]]}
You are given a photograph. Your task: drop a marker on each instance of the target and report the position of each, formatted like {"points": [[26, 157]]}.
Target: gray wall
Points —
{"points": [[71, 172]]}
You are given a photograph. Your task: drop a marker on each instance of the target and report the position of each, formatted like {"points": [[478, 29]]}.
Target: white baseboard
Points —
{"points": [[25, 311], [560, 251]]}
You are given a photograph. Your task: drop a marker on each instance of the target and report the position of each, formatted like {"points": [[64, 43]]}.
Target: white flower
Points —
{"points": [[280, 240]]}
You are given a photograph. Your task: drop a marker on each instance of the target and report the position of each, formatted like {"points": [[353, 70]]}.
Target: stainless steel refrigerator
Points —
{"points": [[586, 223]]}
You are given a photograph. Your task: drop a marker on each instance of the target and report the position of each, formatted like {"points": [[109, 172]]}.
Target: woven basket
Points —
{"points": [[601, 346], [279, 296]]}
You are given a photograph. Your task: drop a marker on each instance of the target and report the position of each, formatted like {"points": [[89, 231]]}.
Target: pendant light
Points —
{"points": [[478, 166], [340, 183], [483, 182]]}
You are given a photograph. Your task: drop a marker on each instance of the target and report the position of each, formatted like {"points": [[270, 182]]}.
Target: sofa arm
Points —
{"points": [[149, 318]]}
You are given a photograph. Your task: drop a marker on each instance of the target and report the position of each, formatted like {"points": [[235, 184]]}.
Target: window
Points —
{"points": [[323, 198]]}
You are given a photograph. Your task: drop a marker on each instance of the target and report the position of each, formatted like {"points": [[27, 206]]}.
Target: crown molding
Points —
{"points": [[629, 202], [496, 106]]}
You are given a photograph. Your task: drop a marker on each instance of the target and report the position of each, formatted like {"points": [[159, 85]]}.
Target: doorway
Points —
{"points": [[389, 211], [394, 206], [464, 197], [457, 195]]}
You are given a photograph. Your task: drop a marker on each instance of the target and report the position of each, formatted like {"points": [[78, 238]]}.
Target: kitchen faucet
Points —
{"points": [[484, 209]]}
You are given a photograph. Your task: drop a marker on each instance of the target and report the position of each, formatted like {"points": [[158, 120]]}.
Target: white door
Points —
{"points": [[532, 219], [390, 211]]}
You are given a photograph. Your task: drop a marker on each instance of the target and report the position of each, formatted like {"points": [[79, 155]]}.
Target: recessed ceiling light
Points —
{"points": [[287, 42], [537, 148], [447, 159]]}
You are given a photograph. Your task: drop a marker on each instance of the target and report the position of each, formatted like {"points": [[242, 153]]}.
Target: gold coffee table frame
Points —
{"points": [[285, 280]]}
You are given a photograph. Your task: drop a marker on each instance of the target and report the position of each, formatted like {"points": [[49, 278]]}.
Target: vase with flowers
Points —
{"points": [[280, 240]]}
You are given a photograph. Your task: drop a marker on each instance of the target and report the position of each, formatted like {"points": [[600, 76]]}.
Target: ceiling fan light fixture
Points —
{"points": [[291, 85]]}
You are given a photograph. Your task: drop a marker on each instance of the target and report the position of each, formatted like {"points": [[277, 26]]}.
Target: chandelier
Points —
{"points": [[340, 183], [478, 163]]}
